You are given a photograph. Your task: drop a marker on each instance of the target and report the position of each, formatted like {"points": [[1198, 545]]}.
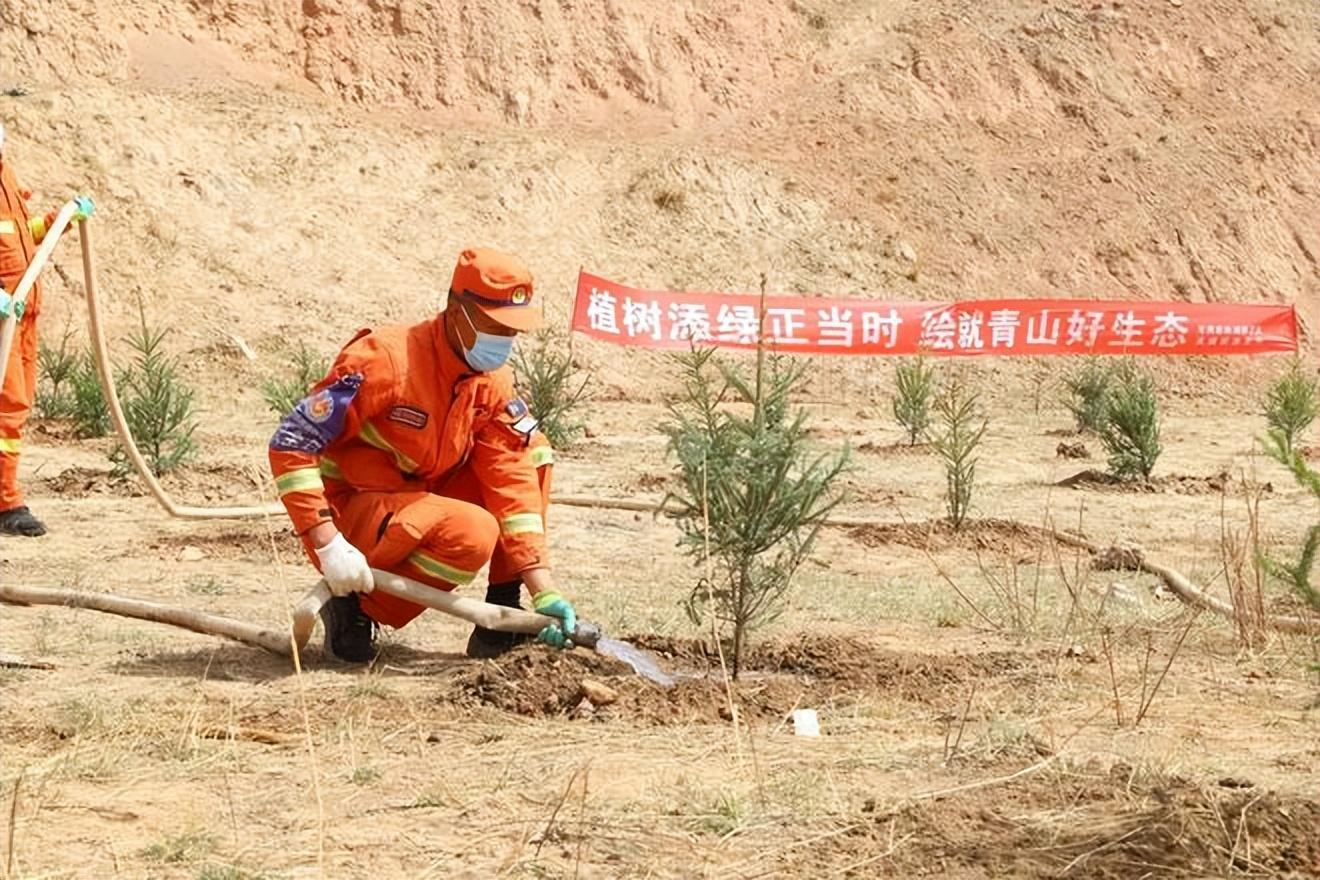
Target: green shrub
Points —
{"points": [[1297, 573], [1088, 394], [546, 377], [754, 494], [157, 405], [915, 382], [55, 366], [1291, 405], [1131, 432], [181, 849], [88, 409], [282, 394], [962, 427], [69, 387]]}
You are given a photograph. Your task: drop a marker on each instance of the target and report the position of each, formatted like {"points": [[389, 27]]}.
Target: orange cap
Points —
{"points": [[498, 284]]}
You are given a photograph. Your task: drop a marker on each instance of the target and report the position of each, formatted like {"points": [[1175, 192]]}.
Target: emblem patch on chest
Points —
{"points": [[409, 415]]}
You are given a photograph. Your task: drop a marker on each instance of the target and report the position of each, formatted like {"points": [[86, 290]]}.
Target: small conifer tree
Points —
{"points": [[754, 493], [158, 406]]}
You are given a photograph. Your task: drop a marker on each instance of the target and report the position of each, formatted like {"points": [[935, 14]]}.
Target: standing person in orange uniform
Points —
{"points": [[19, 236], [415, 456]]}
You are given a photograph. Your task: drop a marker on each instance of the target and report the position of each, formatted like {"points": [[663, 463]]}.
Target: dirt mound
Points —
{"points": [[80, 482], [777, 676], [534, 682], [994, 535], [902, 448], [1173, 484], [1072, 450], [1083, 822], [205, 483]]}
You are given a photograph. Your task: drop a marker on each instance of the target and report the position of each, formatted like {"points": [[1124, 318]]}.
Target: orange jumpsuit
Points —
{"points": [[428, 468], [19, 237]]}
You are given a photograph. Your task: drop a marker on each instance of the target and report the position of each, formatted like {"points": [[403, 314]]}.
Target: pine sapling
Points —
{"points": [[1298, 573], [547, 377], [962, 427], [915, 383], [1088, 394], [753, 491], [55, 366], [1131, 433], [88, 409], [1292, 404], [158, 406], [282, 394]]}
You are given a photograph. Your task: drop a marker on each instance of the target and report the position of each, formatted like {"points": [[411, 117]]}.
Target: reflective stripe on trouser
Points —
{"points": [[439, 541], [15, 403]]}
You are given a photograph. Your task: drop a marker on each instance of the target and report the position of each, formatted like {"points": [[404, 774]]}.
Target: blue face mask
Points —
{"points": [[489, 352]]}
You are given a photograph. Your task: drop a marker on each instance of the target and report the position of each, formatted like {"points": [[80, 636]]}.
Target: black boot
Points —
{"points": [[484, 643], [20, 521], [349, 633]]}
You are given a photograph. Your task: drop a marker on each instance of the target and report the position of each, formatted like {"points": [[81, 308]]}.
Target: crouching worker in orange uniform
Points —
{"points": [[415, 456]]}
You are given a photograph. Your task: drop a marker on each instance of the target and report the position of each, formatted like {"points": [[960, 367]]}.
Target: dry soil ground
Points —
{"points": [[155, 752], [286, 174]]}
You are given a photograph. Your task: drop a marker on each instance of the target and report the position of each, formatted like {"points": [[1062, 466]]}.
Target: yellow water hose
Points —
{"points": [[101, 354]]}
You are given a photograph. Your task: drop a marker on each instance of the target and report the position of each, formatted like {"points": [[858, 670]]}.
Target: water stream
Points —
{"points": [[643, 662]]}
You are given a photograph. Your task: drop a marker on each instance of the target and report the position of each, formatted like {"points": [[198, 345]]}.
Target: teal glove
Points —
{"points": [[7, 305], [553, 636], [86, 207], [555, 605]]}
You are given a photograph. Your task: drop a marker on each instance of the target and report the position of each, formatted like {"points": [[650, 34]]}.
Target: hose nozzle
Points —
{"points": [[586, 634]]}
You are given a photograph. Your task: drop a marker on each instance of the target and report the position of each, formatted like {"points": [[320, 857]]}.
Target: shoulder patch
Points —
{"points": [[332, 401], [516, 408], [409, 415], [318, 418], [320, 406]]}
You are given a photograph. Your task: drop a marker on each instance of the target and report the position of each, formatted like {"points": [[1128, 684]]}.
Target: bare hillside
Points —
{"points": [[992, 700], [528, 62]]}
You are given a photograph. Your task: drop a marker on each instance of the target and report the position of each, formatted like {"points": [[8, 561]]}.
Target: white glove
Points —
{"points": [[344, 567]]}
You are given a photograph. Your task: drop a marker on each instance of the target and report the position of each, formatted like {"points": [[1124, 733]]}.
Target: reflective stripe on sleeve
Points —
{"points": [[299, 481], [12, 445], [542, 456]]}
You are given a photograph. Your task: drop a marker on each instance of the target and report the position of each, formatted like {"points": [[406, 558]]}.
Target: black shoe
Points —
{"points": [[349, 633], [485, 644], [20, 521]]}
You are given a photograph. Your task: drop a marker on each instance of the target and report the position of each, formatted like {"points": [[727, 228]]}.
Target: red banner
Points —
{"points": [[813, 325]]}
